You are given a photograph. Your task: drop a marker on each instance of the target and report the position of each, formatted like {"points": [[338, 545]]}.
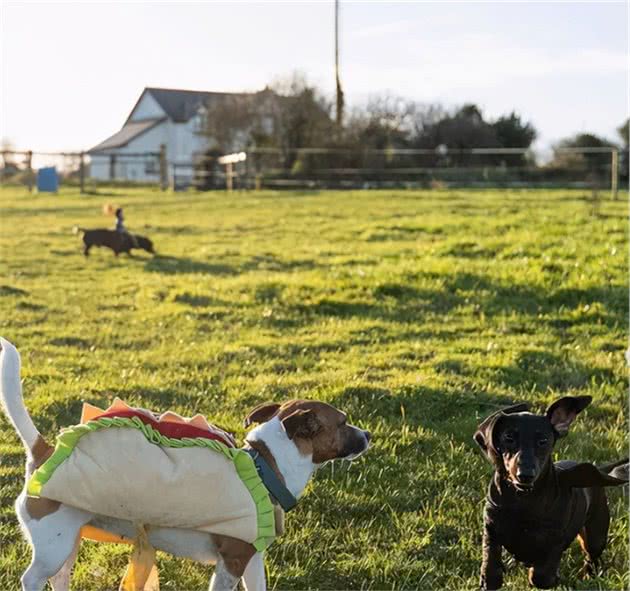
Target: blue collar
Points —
{"points": [[271, 481]]}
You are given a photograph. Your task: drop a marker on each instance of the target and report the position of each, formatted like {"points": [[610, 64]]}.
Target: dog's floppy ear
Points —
{"points": [[483, 435], [262, 413], [564, 410], [302, 423], [583, 475]]}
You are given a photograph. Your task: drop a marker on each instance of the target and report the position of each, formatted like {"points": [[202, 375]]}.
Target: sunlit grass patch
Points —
{"points": [[417, 312]]}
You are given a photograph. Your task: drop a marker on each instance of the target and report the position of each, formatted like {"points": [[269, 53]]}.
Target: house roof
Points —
{"points": [[131, 130], [181, 105]]}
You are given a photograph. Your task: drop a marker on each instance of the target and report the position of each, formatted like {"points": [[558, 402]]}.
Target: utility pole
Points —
{"points": [[337, 79]]}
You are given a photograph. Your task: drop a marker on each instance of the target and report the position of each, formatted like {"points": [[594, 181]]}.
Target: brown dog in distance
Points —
{"points": [[116, 241]]}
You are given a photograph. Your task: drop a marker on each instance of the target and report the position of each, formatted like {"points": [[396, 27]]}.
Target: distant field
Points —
{"points": [[417, 312]]}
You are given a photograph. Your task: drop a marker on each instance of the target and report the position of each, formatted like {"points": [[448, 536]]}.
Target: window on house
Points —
{"points": [[200, 120], [151, 166]]}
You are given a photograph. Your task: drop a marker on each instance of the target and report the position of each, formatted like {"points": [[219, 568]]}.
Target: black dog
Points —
{"points": [[117, 241], [535, 508]]}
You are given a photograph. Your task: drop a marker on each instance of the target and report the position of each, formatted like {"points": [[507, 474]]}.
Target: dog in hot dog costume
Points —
{"points": [[169, 483]]}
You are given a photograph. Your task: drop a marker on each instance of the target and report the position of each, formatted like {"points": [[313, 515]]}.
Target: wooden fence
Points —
{"points": [[342, 168]]}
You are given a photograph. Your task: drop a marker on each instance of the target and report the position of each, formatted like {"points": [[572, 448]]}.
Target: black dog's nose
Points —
{"points": [[525, 476], [368, 435]]}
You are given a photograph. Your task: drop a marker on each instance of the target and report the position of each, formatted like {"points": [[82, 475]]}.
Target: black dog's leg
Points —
{"points": [[86, 250], [594, 535], [545, 575], [491, 565]]}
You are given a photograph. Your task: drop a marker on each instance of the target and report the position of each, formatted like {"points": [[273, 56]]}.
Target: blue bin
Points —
{"points": [[47, 180]]}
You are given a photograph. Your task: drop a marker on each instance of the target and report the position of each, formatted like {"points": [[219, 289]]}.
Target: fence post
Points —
{"points": [[228, 177], [163, 168], [614, 171], [112, 167], [82, 173], [29, 170]]}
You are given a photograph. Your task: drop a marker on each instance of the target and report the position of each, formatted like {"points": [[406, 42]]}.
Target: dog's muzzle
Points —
{"points": [[357, 444]]}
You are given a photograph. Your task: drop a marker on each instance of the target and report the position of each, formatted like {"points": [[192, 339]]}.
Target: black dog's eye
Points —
{"points": [[509, 438], [542, 442]]}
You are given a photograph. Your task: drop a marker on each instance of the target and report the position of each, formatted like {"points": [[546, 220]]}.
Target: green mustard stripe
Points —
{"points": [[243, 463]]}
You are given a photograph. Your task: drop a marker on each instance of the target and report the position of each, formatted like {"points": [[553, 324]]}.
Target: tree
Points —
{"points": [[568, 154], [228, 121], [624, 163], [385, 122], [459, 132], [512, 132], [301, 117], [623, 131], [9, 162], [464, 129]]}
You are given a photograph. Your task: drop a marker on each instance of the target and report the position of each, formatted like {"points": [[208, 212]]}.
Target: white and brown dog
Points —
{"points": [[295, 438]]}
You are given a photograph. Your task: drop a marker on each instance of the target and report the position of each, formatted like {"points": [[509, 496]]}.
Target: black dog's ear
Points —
{"points": [[483, 435], [584, 475], [262, 413], [302, 423], [563, 412]]}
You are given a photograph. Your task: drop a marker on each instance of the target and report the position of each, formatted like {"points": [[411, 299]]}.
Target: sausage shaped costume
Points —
{"points": [[114, 464]]}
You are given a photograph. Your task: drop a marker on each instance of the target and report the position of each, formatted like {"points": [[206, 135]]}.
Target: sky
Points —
{"points": [[71, 72]]}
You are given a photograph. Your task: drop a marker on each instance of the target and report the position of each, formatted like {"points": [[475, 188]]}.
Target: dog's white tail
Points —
{"points": [[77, 230], [11, 394]]}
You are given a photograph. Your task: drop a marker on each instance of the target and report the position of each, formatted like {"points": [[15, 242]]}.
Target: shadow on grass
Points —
{"points": [[169, 265], [270, 262], [194, 300], [175, 230], [410, 304], [497, 298], [471, 250], [8, 290], [539, 371], [76, 342], [402, 302], [419, 404]]}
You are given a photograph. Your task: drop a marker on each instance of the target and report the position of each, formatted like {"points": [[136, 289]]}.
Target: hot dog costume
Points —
{"points": [[163, 471]]}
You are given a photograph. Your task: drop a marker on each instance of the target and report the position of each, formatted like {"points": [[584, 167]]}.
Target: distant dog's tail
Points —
{"points": [[11, 394], [619, 469], [77, 229]]}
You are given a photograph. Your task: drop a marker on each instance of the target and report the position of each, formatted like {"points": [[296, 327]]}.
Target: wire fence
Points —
{"points": [[596, 168]]}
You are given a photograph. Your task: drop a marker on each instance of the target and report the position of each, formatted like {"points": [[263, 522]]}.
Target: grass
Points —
{"points": [[417, 312]]}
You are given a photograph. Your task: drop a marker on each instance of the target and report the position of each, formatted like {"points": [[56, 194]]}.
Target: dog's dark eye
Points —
{"points": [[509, 438], [542, 442]]}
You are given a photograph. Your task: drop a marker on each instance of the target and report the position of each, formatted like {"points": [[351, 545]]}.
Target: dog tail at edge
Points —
{"points": [[11, 394], [607, 468], [77, 230]]}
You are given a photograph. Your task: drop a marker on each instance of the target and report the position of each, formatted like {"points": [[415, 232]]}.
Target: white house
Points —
{"points": [[161, 116]]}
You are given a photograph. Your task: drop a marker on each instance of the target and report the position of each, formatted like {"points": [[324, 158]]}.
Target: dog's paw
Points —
{"points": [[543, 579], [490, 581]]}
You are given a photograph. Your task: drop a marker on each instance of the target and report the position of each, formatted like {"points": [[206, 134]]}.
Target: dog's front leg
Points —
{"points": [[254, 577], [223, 579], [491, 565], [545, 575]]}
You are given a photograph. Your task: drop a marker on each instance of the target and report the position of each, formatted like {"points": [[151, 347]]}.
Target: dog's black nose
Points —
{"points": [[368, 435], [525, 476]]}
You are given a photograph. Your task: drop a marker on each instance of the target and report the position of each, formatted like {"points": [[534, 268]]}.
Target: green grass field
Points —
{"points": [[417, 312]]}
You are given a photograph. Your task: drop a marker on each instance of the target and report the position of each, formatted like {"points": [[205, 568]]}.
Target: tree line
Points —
{"points": [[293, 114]]}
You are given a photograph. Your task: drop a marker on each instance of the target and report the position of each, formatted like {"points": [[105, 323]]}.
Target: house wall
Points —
{"points": [[133, 168], [184, 141], [147, 108], [182, 147]]}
